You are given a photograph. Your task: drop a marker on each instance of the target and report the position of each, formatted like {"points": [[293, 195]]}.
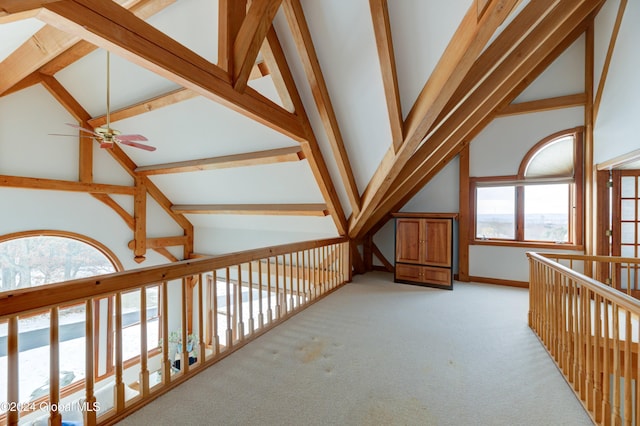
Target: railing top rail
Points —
{"points": [[610, 259], [32, 299], [609, 293]]}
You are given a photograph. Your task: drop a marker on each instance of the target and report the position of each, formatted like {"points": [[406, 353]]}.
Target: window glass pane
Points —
{"points": [[495, 212], [546, 213], [33, 261], [628, 251], [628, 189], [628, 209], [628, 233]]}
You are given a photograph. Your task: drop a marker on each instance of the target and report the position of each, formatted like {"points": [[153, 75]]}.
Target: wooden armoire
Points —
{"points": [[424, 249]]}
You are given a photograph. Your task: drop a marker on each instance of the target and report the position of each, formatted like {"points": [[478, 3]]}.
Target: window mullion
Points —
{"points": [[519, 213]]}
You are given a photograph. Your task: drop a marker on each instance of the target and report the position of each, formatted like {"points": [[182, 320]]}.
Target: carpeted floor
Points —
{"points": [[379, 353]]}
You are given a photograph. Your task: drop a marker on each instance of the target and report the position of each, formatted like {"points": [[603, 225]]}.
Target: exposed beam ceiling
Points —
{"points": [[112, 27], [463, 49]]}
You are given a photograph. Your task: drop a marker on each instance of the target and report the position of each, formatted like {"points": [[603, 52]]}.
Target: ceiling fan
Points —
{"points": [[105, 135]]}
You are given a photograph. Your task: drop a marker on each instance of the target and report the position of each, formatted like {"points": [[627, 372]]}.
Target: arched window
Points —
{"points": [[33, 258], [541, 205]]}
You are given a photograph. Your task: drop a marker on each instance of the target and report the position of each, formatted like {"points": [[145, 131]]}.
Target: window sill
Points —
{"points": [[528, 244]]}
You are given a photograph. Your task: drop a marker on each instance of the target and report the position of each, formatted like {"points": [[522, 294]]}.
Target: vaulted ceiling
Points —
{"points": [[326, 114]]}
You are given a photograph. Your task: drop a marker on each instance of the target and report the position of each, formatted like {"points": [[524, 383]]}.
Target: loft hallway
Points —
{"points": [[378, 353]]}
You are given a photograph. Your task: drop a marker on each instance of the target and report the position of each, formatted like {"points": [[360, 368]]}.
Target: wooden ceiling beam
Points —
{"points": [[306, 50], [504, 44], [253, 209], [33, 54], [161, 101], [14, 10], [540, 105], [456, 141], [465, 46], [142, 9], [270, 156], [161, 242], [310, 146], [231, 14], [252, 33], [152, 104], [382, 31], [271, 61], [63, 185], [114, 28], [561, 20]]}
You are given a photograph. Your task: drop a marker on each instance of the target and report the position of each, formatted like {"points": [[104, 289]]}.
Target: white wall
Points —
{"points": [[618, 125]]}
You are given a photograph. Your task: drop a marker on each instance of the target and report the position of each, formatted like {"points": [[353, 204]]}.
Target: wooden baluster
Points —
{"points": [[615, 416], [307, 268], [260, 309], [144, 354], [554, 305], [13, 366], [119, 385], [251, 322], [201, 347], [278, 292], [291, 295], [184, 326], [55, 418], [606, 364], [216, 334], [325, 270], [209, 301], [269, 310], [298, 289], [283, 296], [562, 356], [229, 319], [318, 284], [166, 362], [589, 350], [239, 305], [597, 359], [628, 407], [90, 412], [581, 343], [573, 373]]}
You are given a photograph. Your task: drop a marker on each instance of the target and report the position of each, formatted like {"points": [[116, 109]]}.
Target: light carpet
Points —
{"points": [[379, 353]]}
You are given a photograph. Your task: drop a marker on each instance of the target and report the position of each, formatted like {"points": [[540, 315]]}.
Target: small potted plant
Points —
{"points": [[175, 347]]}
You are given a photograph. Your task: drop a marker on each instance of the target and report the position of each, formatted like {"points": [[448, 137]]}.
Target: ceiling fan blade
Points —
{"points": [[139, 138], [137, 145], [106, 144], [73, 136], [75, 126]]}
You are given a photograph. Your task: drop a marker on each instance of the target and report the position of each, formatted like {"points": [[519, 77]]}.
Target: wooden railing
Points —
{"points": [[218, 304], [591, 329]]}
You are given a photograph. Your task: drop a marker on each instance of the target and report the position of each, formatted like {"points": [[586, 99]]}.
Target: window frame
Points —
{"points": [[113, 259], [519, 181]]}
